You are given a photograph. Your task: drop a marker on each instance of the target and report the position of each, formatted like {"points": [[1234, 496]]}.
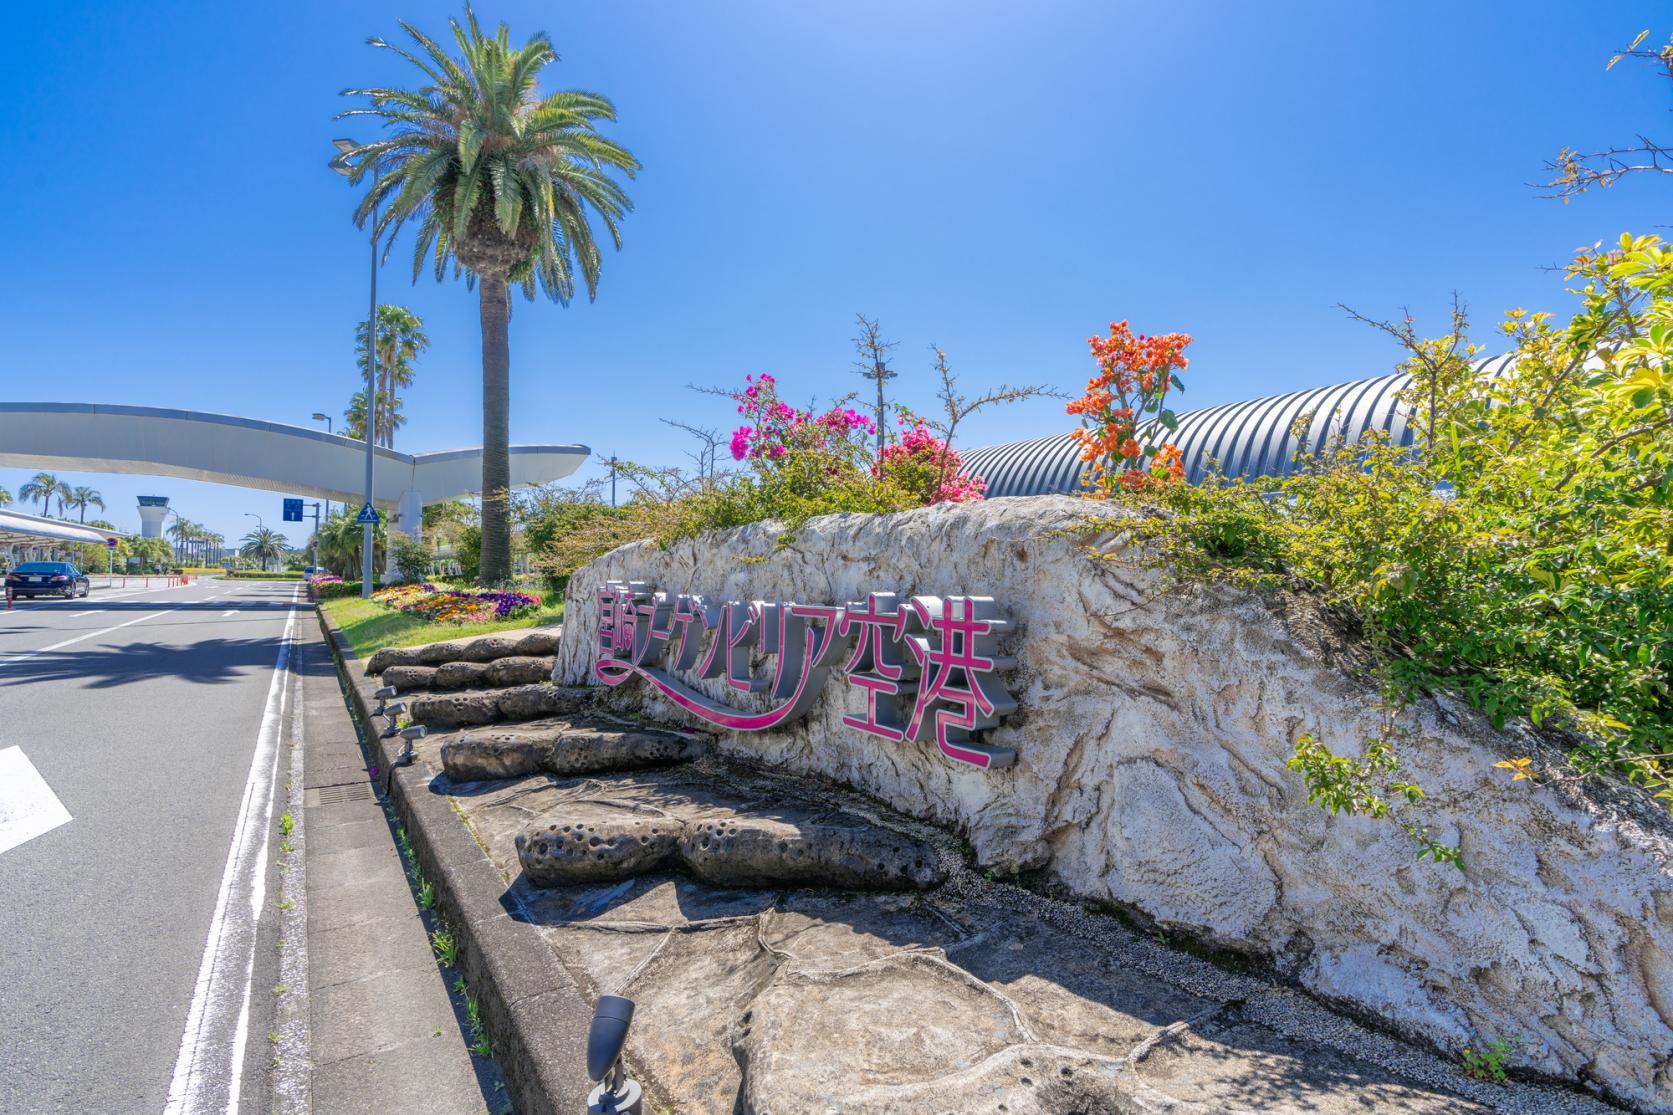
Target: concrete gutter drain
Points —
{"points": [[617, 1093]]}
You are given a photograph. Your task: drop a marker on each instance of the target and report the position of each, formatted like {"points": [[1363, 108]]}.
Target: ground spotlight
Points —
{"points": [[617, 1093]]}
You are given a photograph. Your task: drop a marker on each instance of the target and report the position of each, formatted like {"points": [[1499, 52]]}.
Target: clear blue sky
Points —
{"points": [[1003, 179]]}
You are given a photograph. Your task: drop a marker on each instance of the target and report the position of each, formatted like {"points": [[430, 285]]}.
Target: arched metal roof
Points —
{"points": [[1249, 439]]}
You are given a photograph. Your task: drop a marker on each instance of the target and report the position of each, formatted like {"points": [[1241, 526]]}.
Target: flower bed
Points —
{"points": [[329, 586], [445, 605]]}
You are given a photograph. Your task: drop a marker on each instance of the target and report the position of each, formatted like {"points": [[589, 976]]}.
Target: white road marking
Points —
{"points": [[78, 615], [210, 1066], [28, 807], [9, 659], [229, 612]]}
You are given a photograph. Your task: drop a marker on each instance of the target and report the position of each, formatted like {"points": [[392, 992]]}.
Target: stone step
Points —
{"points": [[498, 674], [750, 917], [563, 747], [538, 642], [474, 707], [607, 840]]}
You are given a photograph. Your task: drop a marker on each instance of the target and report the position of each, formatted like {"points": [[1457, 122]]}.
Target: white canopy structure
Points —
{"points": [[222, 449], [16, 527], [36, 536]]}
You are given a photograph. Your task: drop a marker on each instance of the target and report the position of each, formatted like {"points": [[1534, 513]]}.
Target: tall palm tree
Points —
{"points": [[5, 497], [400, 339], [41, 488], [181, 530], [503, 183], [264, 544], [83, 498], [390, 417]]}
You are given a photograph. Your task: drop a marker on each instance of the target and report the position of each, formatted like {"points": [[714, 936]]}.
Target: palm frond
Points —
{"points": [[475, 151]]}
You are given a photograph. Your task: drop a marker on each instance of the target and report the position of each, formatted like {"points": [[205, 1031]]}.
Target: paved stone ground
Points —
{"points": [[913, 988], [384, 1033]]}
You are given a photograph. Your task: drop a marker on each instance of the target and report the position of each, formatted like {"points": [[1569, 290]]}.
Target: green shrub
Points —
{"points": [[412, 558], [467, 551], [1520, 556], [332, 590]]}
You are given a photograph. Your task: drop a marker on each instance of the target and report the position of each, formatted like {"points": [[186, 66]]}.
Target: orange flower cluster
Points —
{"points": [[1135, 374]]}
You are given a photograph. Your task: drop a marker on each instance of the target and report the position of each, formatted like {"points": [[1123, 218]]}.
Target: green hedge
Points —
{"points": [[258, 575]]}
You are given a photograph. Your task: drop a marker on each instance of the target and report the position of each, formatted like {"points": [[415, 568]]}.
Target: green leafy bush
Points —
{"points": [[411, 558], [1520, 556], [333, 590]]}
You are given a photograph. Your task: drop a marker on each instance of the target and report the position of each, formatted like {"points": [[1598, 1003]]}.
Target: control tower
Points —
{"points": [[152, 511]]}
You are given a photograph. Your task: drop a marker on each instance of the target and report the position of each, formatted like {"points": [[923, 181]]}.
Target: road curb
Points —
{"points": [[536, 1016]]}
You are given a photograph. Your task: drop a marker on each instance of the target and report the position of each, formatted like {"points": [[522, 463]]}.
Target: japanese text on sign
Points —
{"points": [[926, 665]]}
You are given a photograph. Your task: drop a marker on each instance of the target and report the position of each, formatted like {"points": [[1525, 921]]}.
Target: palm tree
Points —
{"points": [[181, 530], [504, 183], [337, 545], [84, 498], [390, 417], [40, 488], [263, 544], [5, 497], [400, 339]]}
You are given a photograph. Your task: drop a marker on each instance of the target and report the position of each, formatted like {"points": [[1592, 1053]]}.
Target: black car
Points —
{"points": [[48, 578]]}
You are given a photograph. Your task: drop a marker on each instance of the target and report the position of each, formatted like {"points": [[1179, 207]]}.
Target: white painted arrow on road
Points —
{"points": [[28, 807]]}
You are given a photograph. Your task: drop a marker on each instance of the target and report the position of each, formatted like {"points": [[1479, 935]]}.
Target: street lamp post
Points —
{"points": [[263, 526], [326, 418], [345, 146]]}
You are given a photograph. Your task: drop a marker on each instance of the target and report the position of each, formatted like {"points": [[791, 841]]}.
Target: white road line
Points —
{"points": [[210, 1065], [28, 807], [229, 612], [10, 658], [78, 615]]}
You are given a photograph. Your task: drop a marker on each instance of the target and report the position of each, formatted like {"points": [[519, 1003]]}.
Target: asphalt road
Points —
{"points": [[134, 937]]}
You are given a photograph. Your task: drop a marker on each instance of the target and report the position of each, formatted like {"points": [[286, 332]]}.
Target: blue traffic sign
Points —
{"points": [[110, 543], [293, 511], [368, 515]]}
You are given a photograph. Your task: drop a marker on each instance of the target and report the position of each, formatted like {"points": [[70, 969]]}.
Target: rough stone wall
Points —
{"points": [[1151, 738]]}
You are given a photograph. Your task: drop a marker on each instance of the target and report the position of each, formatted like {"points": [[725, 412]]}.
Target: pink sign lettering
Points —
{"points": [[926, 666]]}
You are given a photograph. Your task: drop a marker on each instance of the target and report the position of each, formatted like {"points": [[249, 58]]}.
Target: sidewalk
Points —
{"points": [[385, 1034]]}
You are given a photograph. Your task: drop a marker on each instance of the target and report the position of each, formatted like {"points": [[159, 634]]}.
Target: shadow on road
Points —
{"points": [[207, 662]]}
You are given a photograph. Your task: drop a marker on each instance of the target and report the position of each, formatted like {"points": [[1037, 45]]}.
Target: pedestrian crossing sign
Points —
{"points": [[368, 515]]}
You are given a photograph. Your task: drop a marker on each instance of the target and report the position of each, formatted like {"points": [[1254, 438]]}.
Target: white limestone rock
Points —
{"points": [[1151, 737]]}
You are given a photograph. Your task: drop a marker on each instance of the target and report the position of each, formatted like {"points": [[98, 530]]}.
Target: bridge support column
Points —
{"points": [[409, 519]]}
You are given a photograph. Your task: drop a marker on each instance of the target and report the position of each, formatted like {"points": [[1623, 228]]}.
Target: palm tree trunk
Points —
{"points": [[496, 431]]}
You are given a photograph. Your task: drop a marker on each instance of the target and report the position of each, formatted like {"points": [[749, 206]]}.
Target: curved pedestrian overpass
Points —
{"points": [[248, 453]]}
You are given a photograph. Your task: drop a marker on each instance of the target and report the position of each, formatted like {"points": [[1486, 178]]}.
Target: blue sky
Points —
{"points": [[1002, 179]]}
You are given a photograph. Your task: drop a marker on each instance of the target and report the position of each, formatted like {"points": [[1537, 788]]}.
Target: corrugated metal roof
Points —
{"points": [[1248, 439]]}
